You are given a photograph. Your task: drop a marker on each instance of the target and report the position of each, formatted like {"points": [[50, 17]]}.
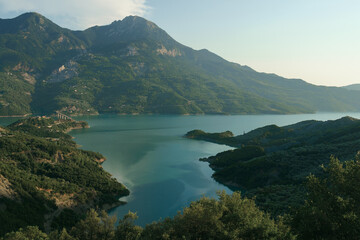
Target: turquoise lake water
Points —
{"points": [[160, 167]]}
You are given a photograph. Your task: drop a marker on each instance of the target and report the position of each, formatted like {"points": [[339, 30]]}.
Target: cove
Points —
{"points": [[150, 156]]}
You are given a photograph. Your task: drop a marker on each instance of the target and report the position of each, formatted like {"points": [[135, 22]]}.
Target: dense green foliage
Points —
{"points": [[42, 172], [47, 128], [15, 95], [223, 137], [133, 66], [272, 162], [330, 212], [230, 157], [326, 207], [230, 217], [332, 208]]}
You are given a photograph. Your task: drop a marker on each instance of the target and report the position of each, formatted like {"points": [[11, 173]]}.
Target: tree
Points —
{"points": [[63, 235], [95, 227], [127, 230], [332, 208], [29, 233], [230, 217]]}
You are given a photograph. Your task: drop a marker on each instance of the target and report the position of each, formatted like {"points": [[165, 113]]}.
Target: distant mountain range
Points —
{"points": [[353, 87], [134, 67]]}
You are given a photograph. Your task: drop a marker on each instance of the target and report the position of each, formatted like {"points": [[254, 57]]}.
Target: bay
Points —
{"points": [[149, 154]]}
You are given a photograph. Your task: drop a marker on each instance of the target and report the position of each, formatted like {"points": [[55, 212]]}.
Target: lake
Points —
{"points": [[160, 167]]}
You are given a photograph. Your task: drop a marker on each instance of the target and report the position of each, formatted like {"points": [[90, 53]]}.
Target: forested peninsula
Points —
{"points": [[45, 180], [273, 162]]}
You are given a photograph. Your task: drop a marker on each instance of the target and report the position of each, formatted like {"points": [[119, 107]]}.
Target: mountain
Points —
{"points": [[132, 66], [272, 162], [353, 87]]}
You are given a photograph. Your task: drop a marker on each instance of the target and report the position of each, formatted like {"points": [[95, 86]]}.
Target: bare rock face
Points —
{"points": [[64, 72], [171, 53], [22, 68], [5, 189], [29, 78], [132, 51]]}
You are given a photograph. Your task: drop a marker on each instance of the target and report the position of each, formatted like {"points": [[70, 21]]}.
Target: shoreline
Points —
{"points": [[16, 116], [184, 114], [107, 206], [74, 128]]}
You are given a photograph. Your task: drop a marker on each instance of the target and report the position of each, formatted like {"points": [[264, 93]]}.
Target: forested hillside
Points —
{"points": [[47, 185], [330, 212], [45, 180], [133, 66], [272, 162]]}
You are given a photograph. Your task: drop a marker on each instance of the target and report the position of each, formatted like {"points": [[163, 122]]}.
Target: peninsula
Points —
{"points": [[45, 180], [273, 162]]}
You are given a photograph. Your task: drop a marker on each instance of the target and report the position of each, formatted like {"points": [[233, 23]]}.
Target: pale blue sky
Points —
{"points": [[316, 40]]}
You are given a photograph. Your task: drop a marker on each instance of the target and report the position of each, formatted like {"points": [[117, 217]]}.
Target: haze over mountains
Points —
{"points": [[353, 87], [132, 66]]}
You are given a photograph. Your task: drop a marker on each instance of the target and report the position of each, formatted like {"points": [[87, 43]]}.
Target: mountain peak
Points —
{"points": [[131, 28], [30, 14], [33, 17], [26, 22], [134, 18], [133, 66], [135, 22], [348, 119]]}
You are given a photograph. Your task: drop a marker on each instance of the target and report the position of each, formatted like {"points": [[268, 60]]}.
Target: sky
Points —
{"points": [[314, 40]]}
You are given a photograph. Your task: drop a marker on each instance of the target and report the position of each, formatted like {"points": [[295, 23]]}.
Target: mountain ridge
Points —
{"points": [[355, 87], [132, 66]]}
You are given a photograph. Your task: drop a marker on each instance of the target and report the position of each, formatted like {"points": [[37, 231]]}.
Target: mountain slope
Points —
{"points": [[31, 47], [353, 87], [133, 66]]}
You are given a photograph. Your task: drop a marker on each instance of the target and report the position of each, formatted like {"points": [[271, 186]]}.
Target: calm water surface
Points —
{"points": [[160, 167]]}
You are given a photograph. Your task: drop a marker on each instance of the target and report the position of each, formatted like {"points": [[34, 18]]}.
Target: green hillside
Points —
{"points": [[272, 162], [133, 66], [45, 180]]}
